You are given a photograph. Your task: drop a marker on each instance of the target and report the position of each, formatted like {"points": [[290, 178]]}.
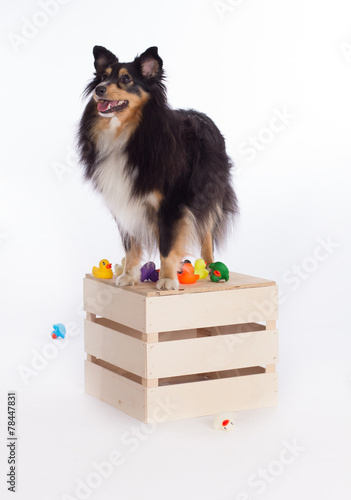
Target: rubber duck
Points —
{"points": [[149, 272], [200, 268], [219, 271], [187, 276], [119, 268], [59, 331], [224, 421], [104, 270]]}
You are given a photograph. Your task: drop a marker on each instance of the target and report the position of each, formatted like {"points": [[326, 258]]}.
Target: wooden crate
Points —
{"points": [[166, 355]]}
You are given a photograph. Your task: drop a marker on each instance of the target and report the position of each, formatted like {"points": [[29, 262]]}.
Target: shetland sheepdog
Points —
{"points": [[164, 173]]}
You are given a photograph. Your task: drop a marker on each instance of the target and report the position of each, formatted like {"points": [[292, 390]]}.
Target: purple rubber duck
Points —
{"points": [[149, 272]]}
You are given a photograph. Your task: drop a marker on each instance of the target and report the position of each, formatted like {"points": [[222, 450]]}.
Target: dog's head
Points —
{"points": [[122, 89]]}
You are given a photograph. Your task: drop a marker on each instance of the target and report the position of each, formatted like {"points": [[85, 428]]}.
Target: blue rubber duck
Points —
{"points": [[59, 331]]}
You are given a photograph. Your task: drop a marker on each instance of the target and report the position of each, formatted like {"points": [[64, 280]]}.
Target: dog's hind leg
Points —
{"points": [[207, 248], [131, 274]]}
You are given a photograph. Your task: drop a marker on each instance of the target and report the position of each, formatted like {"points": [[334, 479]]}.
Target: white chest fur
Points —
{"points": [[116, 185]]}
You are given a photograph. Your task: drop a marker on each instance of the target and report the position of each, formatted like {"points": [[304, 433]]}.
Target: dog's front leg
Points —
{"points": [[173, 242], [168, 273], [131, 272]]}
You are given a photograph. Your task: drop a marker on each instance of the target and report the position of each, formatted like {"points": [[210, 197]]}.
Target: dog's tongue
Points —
{"points": [[103, 106]]}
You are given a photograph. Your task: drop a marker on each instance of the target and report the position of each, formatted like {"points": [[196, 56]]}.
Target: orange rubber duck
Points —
{"points": [[187, 276]]}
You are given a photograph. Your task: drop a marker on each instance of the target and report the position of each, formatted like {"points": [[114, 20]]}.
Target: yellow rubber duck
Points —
{"points": [[104, 270], [200, 268]]}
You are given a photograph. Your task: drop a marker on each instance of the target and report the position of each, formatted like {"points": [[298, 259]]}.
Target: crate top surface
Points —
{"points": [[148, 289]]}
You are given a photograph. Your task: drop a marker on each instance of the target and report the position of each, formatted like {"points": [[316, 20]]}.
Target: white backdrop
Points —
{"points": [[276, 77]]}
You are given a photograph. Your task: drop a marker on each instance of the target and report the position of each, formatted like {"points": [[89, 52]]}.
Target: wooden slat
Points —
{"points": [[147, 382], [209, 397], [115, 347], [151, 340], [91, 316], [200, 310], [206, 354], [271, 324], [115, 390], [271, 368], [148, 289], [115, 304], [150, 337]]}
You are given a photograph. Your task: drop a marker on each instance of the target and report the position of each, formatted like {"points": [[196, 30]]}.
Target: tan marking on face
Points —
{"points": [[130, 116], [123, 71], [207, 248], [108, 71]]}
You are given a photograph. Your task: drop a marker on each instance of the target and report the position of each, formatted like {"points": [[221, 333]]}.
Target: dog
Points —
{"points": [[164, 173]]}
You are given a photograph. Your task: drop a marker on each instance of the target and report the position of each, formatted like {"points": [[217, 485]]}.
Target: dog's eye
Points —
{"points": [[125, 79]]}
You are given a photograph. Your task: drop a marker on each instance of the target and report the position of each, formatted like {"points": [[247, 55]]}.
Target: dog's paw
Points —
{"points": [[167, 284], [127, 279]]}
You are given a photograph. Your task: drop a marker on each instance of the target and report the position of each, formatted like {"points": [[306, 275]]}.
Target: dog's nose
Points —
{"points": [[100, 90]]}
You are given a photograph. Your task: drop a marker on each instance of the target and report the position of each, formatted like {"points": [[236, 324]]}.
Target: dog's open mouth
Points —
{"points": [[110, 106]]}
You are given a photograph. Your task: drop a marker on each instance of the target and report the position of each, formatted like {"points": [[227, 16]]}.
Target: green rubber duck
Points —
{"points": [[219, 271]]}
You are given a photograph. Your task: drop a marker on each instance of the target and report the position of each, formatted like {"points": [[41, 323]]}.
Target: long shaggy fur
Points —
{"points": [[169, 166]]}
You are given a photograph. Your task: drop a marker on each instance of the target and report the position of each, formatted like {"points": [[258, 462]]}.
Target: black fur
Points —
{"points": [[180, 153]]}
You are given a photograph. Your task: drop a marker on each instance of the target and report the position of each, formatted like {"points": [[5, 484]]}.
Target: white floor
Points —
{"points": [[73, 446]]}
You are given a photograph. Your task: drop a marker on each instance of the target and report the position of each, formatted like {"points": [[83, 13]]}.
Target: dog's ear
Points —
{"points": [[103, 58], [150, 63]]}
